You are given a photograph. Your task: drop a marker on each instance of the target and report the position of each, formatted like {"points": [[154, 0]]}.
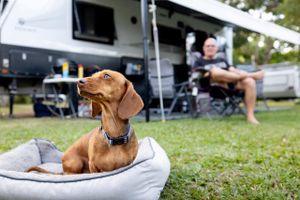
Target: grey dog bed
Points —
{"points": [[143, 179]]}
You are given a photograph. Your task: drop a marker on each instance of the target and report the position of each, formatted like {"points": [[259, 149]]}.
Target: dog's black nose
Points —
{"points": [[82, 81]]}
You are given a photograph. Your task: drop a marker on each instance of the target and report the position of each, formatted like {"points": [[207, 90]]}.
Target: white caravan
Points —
{"points": [[282, 81], [34, 34]]}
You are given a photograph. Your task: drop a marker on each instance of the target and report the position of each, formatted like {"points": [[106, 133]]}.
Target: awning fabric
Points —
{"points": [[231, 15]]}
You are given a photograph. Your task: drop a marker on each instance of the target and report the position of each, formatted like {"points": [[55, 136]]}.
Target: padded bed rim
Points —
{"points": [[92, 177]]}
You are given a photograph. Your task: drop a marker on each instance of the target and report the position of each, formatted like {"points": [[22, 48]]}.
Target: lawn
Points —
{"points": [[210, 159]]}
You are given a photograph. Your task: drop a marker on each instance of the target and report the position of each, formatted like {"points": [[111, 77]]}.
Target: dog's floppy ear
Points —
{"points": [[96, 109], [131, 103]]}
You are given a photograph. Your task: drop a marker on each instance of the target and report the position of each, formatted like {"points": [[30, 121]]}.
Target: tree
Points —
{"points": [[259, 49], [290, 8]]}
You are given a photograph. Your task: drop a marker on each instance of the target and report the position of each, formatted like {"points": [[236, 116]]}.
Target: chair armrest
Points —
{"points": [[181, 84]]}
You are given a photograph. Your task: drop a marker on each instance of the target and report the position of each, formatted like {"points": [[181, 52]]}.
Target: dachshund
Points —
{"points": [[114, 144]]}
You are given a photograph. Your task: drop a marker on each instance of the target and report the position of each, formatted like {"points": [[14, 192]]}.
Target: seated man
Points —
{"points": [[217, 70]]}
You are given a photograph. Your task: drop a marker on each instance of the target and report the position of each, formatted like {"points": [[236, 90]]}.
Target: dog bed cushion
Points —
{"points": [[143, 179]]}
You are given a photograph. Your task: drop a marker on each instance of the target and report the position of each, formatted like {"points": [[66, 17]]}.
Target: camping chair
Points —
{"points": [[170, 90], [226, 101], [208, 98], [222, 101]]}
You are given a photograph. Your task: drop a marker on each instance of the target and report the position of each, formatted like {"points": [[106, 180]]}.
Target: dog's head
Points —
{"points": [[109, 87]]}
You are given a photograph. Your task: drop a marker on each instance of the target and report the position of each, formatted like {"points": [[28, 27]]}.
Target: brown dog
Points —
{"points": [[114, 145]]}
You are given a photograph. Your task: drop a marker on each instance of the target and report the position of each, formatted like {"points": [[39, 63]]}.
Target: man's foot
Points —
{"points": [[252, 120], [258, 75]]}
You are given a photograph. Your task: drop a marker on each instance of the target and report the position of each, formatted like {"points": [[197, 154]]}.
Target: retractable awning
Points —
{"points": [[237, 17]]}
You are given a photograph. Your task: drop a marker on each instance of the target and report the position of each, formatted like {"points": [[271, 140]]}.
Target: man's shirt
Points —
{"points": [[206, 65]]}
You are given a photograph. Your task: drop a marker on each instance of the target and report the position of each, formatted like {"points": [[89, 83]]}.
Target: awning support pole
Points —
{"points": [[157, 57], [144, 13]]}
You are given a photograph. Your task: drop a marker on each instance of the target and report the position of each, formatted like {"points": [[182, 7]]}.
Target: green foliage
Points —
{"points": [[22, 99], [246, 52], [290, 8], [245, 5], [210, 159], [292, 56]]}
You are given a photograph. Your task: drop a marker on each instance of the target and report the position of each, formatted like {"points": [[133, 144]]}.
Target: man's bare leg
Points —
{"points": [[258, 75], [245, 83], [224, 76], [249, 86], [233, 75]]}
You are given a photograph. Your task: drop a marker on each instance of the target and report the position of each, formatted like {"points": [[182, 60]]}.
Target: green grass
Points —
{"points": [[19, 109], [218, 159]]}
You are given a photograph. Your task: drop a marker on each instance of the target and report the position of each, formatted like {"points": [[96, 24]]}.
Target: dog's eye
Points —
{"points": [[106, 76]]}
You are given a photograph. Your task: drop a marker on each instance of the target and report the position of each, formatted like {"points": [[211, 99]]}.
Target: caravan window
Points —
{"points": [[93, 23], [169, 35], [3, 4]]}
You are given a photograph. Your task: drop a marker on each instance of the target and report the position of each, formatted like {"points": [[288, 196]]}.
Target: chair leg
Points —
{"points": [[265, 103], [236, 105], [172, 105], [194, 107], [188, 99], [175, 99], [228, 110], [227, 107], [218, 106]]}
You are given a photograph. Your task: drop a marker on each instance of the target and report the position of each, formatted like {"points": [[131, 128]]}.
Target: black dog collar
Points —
{"points": [[123, 139]]}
